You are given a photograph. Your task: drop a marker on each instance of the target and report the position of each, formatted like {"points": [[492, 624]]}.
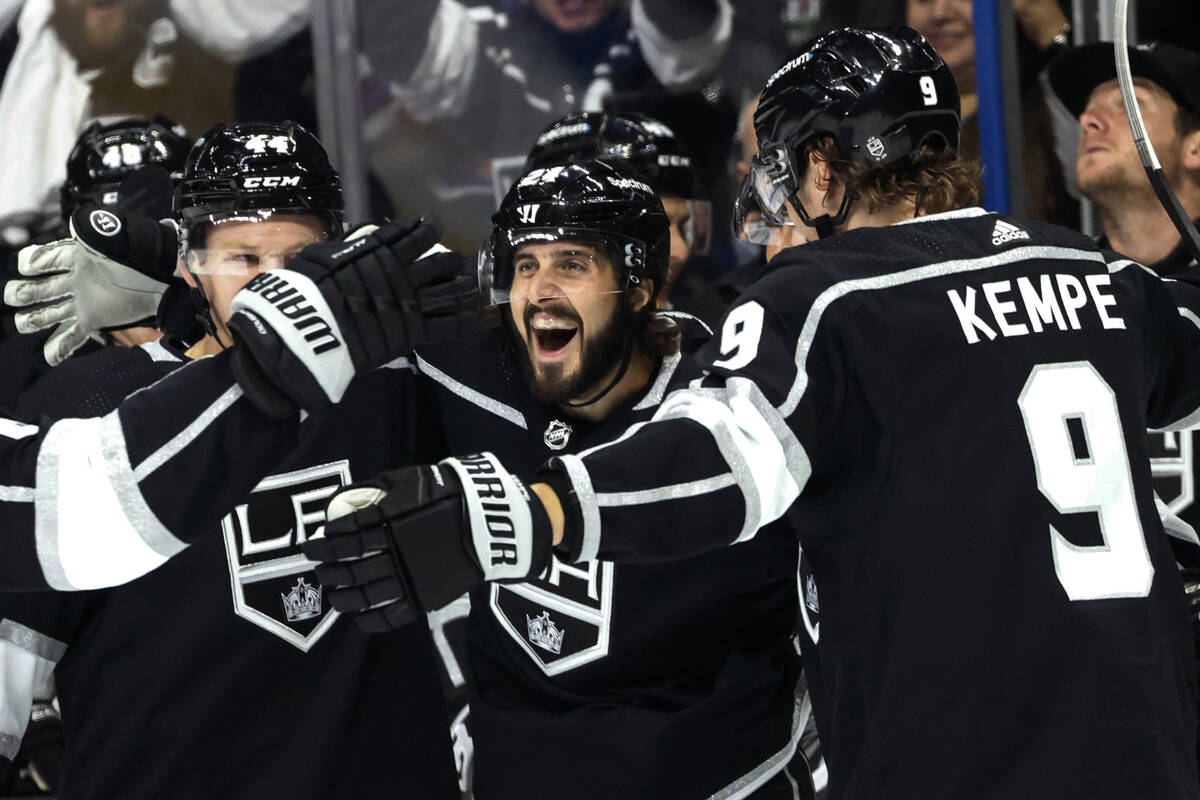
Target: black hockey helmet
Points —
{"points": [[650, 147], [251, 172], [881, 94], [259, 166], [647, 145], [106, 154], [594, 200]]}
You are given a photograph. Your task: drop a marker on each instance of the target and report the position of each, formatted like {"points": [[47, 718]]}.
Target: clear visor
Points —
{"points": [[762, 200], [544, 262], [245, 243]]}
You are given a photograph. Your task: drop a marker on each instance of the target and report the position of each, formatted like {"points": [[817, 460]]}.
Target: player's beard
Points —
{"points": [[599, 354]]}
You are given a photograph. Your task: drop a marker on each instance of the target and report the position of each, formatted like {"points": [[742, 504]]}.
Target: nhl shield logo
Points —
{"points": [[274, 584], [557, 434], [1171, 467], [562, 620]]}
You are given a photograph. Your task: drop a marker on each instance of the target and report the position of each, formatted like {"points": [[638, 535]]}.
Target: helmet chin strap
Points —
{"points": [[204, 313], [626, 358], [825, 223]]}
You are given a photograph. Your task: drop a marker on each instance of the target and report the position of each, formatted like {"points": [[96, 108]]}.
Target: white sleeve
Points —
{"points": [[442, 81], [235, 30], [679, 64]]}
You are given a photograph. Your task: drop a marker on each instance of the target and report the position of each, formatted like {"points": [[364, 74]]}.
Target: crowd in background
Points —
{"points": [[455, 92]]}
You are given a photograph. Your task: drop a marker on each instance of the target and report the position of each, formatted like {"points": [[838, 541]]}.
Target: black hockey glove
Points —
{"points": [[111, 273], [344, 307], [417, 538]]}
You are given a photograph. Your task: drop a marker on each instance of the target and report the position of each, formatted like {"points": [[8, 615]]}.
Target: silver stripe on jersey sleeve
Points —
{"points": [[753, 780], [1189, 316], [185, 437], [17, 494], [675, 492], [581, 482], [471, 396], [11, 429], [655, 395], [158, 352], [9, 745], [891, 280], [92, 526], [1175, 525], [31, 641]]}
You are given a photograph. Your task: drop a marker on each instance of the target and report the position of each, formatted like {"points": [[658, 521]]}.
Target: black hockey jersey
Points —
{"points": [[603, 680], [951, 412], [226, 673]]}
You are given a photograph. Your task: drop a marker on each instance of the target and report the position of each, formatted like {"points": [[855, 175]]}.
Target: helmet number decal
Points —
{"points": [[740, 335], [928, 90]]}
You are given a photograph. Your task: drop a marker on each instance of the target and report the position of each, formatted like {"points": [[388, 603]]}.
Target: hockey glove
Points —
{"points": [[111, 273], [417, 538], [345, 307]]}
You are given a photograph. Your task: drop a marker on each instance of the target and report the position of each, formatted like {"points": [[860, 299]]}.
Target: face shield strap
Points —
{"points": [[199, 297]]}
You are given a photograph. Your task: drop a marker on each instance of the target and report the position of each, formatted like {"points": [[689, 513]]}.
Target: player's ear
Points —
{"points": [[640, 293], [1191, 151], [822, 177]]}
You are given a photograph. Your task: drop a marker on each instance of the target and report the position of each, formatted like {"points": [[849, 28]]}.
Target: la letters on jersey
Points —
{"points": [[1032, 304]]}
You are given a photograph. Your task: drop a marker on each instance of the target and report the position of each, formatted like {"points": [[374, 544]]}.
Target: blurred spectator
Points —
{"points": [[949, 26], [1108, 170], [470, 91], [1110, 174], [63, 62]]}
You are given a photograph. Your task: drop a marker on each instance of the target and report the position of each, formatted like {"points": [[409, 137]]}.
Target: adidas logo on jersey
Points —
{"points": [[1005, 232]]}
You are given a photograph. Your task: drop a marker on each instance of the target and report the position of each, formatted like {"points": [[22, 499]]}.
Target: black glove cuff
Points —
{"points": [[259, 389], [572, 542]]}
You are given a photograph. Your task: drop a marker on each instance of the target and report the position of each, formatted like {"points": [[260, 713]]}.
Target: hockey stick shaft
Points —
{"points": [[1141, 140]]}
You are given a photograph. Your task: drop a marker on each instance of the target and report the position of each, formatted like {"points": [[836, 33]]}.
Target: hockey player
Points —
{"points": [[949, 408], [653, 150], [240, 613], [593, 679]]}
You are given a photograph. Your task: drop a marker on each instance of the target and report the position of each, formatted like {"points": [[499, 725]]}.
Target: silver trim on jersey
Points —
{"points": [[677, 491], [501, 410], [17, 494], [11, 429], [9, 745], [39, 644], [1175, 525], [958, 213], [1189, 316], [159, 352], [185, 437], [891, 280], [753, 780], [125, 484], [581, 482], [665, 372]]}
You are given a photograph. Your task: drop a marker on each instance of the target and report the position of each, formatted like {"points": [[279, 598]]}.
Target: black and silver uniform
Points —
{"points": [[951, 413], [226, 673], [603, 680]]}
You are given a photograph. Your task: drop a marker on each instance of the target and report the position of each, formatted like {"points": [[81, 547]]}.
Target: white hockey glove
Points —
{"points": [[111, 273]]}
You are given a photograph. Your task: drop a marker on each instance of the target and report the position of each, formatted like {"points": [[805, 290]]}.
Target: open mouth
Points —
{"points": [[552, 335]]}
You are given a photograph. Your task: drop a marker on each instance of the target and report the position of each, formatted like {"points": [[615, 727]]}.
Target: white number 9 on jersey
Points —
{"points": [[739, 336], [1091, 475]]}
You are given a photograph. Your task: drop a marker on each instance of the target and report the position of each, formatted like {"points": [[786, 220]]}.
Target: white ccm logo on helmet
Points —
{"points": [[270, 181]]}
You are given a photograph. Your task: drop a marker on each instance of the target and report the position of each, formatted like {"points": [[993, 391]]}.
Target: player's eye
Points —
{"points": [[573, 265], [525, 267]]}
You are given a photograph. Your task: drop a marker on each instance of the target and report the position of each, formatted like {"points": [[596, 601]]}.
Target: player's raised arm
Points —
{"points": [[96, 502]]}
